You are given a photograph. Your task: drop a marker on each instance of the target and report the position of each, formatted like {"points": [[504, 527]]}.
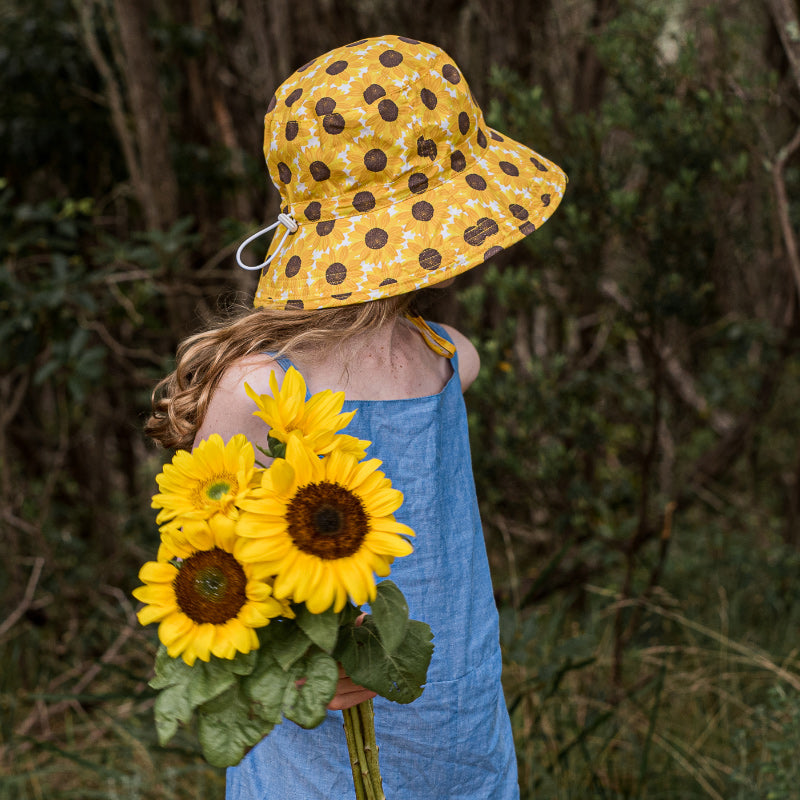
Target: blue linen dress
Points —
{"points": [[455, 741]]}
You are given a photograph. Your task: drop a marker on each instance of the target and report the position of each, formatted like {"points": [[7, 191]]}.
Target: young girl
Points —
{"points": [[390, 181]]}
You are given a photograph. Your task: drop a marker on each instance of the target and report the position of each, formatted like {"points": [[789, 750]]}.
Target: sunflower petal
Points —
{"points": [[202, 641], [157, 594], [174, 628], [391, 525], [289, 573], [308, 579], [150, 614], [267, 548], [323, 594], [388, 544], [352, 578], [282, 473], [157, 572], [383, 502]]}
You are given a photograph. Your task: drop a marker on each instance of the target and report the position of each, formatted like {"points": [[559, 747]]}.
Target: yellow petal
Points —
{"points": [[252, 525], [165, 552], [390, 525], [292, 395], [290, 571], [150, 614], [306, 465], [159, 594], [282, 474], [382, 502], [351, 578], [258, 591], [367, 577], [341, 597], [307, 579], [157, 572], [173, 651], [252, 616], [388, 544], [364, 470], [223, 645], [382, 566], [373, 482], [322, 596], [339, 467], [197, 533], [267, 548], [202, 641], [175, 628], [223, 529], [242, 638]]}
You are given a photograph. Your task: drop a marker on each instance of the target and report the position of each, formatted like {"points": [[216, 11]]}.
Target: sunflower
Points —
{"points": [[317, 419], [385, 244], [207, 601], [207, 481], [324, 526]]}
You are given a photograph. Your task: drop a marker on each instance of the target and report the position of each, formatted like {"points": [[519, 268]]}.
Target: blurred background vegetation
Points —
{"points": [[636, 429]]}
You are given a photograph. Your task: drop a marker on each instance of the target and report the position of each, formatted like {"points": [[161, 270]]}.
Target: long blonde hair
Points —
{"points": [[180, 400]]}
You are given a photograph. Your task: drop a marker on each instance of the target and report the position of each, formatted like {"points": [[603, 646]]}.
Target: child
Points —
{"points": [[390, 181]]}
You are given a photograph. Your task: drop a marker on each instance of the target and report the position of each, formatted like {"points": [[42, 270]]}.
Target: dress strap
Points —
{"points": [[283, 362], [437, 343]]}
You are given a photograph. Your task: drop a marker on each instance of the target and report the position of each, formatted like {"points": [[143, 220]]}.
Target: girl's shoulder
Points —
{"points": [[230, 410], [469, 362]]}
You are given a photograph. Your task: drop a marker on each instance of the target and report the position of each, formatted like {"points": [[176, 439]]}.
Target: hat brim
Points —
{"points": [[505, 193]]}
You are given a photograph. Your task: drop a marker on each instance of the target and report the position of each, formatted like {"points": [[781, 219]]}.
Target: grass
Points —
{"points": [[706, 703], [687, 720], [76, 714]]}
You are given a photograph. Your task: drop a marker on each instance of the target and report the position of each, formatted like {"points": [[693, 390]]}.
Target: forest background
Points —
{"points": [[636, 429]]}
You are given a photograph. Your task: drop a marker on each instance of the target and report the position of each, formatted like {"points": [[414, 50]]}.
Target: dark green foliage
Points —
{"points": [[635, 424]]}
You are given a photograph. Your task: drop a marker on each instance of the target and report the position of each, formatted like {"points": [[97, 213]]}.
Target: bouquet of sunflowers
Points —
{"points": [[260, 579]]}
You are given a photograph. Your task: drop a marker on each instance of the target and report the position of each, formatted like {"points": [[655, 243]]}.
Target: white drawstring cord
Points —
{"points": [[283, 219]]}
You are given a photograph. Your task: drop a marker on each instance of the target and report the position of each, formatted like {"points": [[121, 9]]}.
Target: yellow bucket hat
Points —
{"points": [[389, 178]]}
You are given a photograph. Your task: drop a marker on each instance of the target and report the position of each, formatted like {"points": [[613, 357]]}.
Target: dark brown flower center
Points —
{"points": [[327, 520], [210, 587]]}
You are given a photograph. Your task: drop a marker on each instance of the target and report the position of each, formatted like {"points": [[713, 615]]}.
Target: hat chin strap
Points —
{"points": [[283, 219]]}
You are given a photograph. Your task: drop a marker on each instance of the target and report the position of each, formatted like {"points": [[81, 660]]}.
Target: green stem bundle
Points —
{"points": [[359, 727]]}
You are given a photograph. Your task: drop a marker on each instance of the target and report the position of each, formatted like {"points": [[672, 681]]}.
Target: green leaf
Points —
{"points": [[285, 641], [210, 680], [171, 708], [243, 663], [398, 675], [169, 671], [390, 613], [307, 705], [266, 687], [226, 729], [349, 614], [322, 629], [182, 688]]}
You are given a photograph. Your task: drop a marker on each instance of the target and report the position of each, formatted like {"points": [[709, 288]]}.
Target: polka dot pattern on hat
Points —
{"points": [[386, 163]]}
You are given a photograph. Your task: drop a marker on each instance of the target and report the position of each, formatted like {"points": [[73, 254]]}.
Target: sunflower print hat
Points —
{"points": [[390, 179]]}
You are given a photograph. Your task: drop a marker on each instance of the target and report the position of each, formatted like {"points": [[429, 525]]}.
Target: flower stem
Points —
{"points": [[359, 726], [352, 749], [367, 714]]}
